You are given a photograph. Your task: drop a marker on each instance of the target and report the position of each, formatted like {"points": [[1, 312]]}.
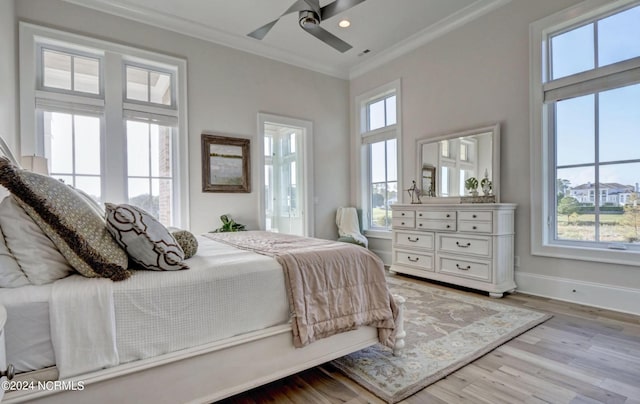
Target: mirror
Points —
{"points": [[446, 162]]}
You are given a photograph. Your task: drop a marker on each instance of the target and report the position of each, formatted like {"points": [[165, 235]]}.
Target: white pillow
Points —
{"points": [[11, 276], [35, 253]]}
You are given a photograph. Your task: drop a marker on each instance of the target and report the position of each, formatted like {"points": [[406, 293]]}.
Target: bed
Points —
{"points": [[252, 307], [187, 369]]}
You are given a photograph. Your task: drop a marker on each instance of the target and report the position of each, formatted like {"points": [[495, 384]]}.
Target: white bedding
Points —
{"points": [[27, 331], [225, 292]]}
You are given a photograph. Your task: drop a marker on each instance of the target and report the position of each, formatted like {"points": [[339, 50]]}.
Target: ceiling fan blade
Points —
{"points": [[337, 7], [261, 32], [328, 38]]}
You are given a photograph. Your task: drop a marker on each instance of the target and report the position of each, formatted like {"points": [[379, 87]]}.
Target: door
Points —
{"points": [[287, 185]]}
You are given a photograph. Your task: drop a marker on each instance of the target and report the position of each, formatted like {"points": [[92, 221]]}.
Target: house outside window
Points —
{"points": [[379, 141], [585, 124], [108, 118]]}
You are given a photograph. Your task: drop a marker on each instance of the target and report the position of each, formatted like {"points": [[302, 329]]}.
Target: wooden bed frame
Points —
{"points": [[205, 373]]}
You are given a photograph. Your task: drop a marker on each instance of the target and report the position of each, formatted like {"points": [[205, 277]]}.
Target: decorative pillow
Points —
{"points": [[145, 239], [11, 276], [90, 201], [34, 253], [187, 242], [66, 218]]}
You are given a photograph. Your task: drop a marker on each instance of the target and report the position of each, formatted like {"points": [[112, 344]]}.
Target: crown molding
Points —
{"points": [[455, 20], [198, 30]]}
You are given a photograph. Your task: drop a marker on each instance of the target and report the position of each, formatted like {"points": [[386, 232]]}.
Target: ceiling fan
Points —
{"points": [[310, 14]]}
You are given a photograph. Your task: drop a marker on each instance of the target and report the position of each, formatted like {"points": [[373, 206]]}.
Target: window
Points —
{"points": [[586, 81], [379, 139], [86, 114]]}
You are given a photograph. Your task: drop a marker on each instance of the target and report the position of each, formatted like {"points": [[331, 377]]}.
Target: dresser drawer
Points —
{"points": [[403, 222], [466, 268], [480, 246], [475, 227], [407, 214], [426, 224], [436, 215], [482, 216], [413, 259], [413, 239]]}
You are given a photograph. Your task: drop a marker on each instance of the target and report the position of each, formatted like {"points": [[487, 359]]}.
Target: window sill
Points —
{"points": [[603, 255], [380, 234]]}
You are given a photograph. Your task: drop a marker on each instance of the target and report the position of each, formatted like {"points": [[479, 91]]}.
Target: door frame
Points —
{"points": [[307, 167]]}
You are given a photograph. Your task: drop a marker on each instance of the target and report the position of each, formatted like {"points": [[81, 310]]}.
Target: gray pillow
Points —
{"points": [[146, 240], [68, 220]]}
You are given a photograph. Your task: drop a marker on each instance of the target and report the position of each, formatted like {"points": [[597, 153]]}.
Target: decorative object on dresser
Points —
{"points": [[470, 245], [471, 185], [414, 192]]}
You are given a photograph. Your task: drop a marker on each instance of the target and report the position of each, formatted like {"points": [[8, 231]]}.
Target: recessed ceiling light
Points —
{"points": [[344, 23]]}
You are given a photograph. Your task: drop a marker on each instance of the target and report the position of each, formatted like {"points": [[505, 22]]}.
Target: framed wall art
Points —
{"points": [[225, 164]]}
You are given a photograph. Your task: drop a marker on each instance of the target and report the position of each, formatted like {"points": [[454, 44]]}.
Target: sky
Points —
{"points": [[618, 38]]}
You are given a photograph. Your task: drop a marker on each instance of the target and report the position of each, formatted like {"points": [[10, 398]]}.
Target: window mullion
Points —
{"points": [[113, 139], [73, 149], [596, 106]]}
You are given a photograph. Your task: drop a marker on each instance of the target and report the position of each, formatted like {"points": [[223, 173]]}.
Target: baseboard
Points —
{"points": [[608, 297], [385, 256]]}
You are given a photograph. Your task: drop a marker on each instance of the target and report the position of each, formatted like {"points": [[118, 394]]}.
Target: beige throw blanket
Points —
{"points": [[333, 287]]}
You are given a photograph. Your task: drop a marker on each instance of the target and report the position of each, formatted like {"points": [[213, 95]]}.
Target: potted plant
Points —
{"points": [[229, 225], [471, 185]]}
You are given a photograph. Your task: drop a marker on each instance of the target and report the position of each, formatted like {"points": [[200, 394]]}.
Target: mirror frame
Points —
{"points": [[495, 163]]}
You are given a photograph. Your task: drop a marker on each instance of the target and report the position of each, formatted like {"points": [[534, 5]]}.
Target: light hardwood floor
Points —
{"points": [[581, 355]]}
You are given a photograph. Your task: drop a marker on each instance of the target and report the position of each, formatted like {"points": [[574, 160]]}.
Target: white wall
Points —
{"points": [[226, 90], [8, 74], [474, 76]]}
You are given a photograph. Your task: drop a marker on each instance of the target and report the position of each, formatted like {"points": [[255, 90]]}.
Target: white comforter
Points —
{"points": [[226, 292]]}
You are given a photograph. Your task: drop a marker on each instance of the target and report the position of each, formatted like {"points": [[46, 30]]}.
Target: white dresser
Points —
{"points": [[469, 245]]}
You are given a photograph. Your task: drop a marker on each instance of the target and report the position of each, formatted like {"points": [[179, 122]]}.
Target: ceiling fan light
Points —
{"points": [[344, 23], [308, 19]]}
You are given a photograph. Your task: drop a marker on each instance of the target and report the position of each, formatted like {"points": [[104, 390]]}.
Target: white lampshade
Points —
{"points": [[36, 164]]}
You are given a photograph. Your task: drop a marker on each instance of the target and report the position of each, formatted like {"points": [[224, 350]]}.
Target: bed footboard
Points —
{"points": [[400, 332]]}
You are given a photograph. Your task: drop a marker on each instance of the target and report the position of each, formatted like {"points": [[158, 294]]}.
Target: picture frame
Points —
{"points": [[429, 183], [225, 163]]}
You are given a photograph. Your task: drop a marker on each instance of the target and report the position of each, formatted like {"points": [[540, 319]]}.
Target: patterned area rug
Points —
{"points": [[445, 331]]}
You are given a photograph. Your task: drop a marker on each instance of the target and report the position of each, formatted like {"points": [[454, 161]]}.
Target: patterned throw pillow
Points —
{"points": [[66, 218], [146, 240], [187, 242]]}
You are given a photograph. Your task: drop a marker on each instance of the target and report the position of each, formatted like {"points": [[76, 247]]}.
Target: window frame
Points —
{"points": [[40, 47], [111, 103], [129, 62], [542, 164], [362, 141]]}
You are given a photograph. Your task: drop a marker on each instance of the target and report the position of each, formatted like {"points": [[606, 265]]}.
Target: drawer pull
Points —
{"points": [[448, 215], [402, 223], [463, 245], [475, 227], [419, 214], [474, 216], [402, 214], [419, 224], [413, 259], [468, 267], [413, 240]]}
